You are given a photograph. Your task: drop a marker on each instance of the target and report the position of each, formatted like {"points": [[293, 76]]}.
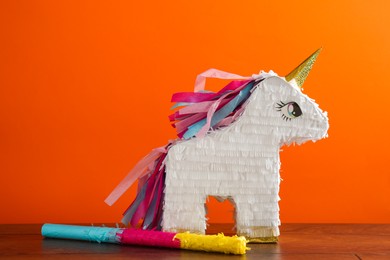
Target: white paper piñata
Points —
{"points": [[228, 148]]}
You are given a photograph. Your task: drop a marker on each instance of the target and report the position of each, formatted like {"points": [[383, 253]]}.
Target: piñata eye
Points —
{"points": [[289, 110]]}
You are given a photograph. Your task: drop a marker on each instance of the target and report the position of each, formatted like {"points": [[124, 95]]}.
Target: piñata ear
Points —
{"points": [[299, 74]]}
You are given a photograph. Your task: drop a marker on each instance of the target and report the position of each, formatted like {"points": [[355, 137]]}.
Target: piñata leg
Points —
{"points": [[257, 221], [184, 212]]}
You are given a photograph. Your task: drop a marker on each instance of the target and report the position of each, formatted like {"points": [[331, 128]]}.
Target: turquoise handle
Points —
{"points": [[88, 233]]}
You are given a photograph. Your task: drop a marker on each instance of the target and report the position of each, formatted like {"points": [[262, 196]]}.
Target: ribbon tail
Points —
{"points": [[133, 175], [129, 213]]}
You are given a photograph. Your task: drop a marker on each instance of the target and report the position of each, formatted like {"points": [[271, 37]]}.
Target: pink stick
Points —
{"points": [[149, 238]]}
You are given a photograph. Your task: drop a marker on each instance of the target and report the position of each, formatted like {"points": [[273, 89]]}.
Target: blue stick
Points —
{"points": [[89, 233]]}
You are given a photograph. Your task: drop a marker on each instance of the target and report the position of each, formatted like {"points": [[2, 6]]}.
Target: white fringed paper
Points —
{"points": [[240, 162]]}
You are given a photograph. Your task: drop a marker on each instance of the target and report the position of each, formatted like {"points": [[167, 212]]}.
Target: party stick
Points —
{"points": [[210, 243]]}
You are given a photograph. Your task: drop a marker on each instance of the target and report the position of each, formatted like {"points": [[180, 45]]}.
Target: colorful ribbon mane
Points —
{"points": [[201, 112], [204, 111]]}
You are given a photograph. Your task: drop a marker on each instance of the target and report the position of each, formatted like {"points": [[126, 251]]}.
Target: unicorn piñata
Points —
{"points": [[228, 147]]}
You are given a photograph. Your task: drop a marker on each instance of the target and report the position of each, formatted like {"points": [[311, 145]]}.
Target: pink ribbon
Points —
{"points": [[196, 97], [200, 81], [139, 170]]}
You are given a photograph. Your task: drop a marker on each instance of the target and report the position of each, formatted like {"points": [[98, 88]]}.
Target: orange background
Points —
{"points": [[86, 86]]}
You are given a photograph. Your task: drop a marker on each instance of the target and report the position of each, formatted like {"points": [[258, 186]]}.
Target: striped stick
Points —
{"points": [[127, 236]]}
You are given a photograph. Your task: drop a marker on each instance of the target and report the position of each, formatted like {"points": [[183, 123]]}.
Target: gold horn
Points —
{"points": [[300, 73]]}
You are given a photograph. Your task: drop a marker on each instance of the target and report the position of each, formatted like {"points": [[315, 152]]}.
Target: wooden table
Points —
{"points": [[298, 241]]}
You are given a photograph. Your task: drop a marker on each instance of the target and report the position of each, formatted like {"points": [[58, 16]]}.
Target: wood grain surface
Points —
{"points": [[297, 241]]}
